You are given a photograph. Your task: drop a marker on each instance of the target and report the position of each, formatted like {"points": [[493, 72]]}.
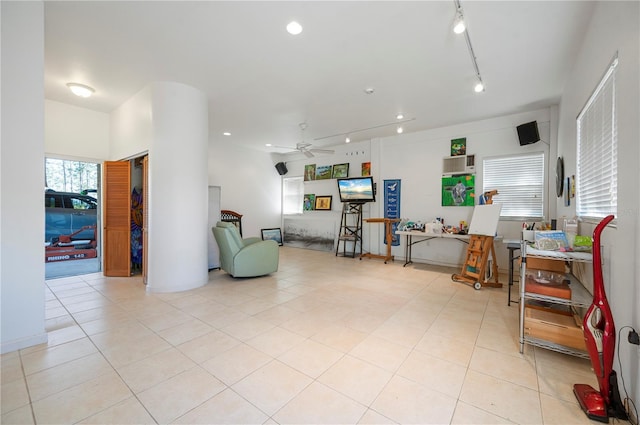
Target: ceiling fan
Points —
{"points": [[305, 148]]}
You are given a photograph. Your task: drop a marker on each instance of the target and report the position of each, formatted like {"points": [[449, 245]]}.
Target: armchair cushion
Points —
{"points": [[244, 257]]}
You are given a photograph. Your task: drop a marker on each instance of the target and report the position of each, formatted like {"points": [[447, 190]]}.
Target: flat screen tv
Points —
{"points": [[356, 189]]}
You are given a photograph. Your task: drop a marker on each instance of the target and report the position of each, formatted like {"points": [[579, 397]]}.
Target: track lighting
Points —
{"points": [[479, 87], [458, 24]]}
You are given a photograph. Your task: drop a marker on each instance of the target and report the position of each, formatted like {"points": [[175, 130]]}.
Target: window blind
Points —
{"points": [[292, 195], [519, 180], [597, 151]]}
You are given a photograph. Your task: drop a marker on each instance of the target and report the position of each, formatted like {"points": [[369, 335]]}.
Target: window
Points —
{"points": [[597, 144], [519, 180], [292, 195]]}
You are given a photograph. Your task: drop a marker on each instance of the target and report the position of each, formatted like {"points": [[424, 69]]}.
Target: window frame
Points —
{"points": [[603, 101], [538, 156], [286, 202]]}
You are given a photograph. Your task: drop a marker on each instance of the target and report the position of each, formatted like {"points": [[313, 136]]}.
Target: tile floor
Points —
{"points": [[324, 340]]}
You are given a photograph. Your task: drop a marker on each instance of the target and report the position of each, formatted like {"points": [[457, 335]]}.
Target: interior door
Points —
{"points": [[117, 218]]}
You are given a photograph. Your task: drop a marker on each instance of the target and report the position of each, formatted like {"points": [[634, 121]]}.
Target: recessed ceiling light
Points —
{"points": [[294, 28], [226, 133], [479, 87], [369, 90], [347, 140], [399, 116], [399, 130], [268, 144], [80, 89]]}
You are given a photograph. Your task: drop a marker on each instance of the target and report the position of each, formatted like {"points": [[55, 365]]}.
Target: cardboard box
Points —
{"points": [[562, 290], [553, 327], [556, 266]]}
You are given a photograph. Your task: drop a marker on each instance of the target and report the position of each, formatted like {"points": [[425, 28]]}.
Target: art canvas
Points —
{"points": [[458, 191], [323, 172], [309, 202], [459, 146], [366, 169], [309, 172]]}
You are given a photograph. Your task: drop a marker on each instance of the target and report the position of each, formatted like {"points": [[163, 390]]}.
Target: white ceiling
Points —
{"points": [[262, 82]]}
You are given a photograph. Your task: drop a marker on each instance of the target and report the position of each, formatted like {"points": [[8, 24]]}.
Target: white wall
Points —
{"points": [[75, 133], [615, 26], [131, 126], [249, 183], [416, 159], [170, 121], [22, 176]]}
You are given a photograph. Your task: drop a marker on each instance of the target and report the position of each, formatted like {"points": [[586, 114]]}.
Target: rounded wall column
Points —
{"points": [[178, 189]]}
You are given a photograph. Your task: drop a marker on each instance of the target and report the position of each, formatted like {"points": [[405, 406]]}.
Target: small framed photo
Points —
{"points": [[272, 235], [340, 171], [323, 203]]}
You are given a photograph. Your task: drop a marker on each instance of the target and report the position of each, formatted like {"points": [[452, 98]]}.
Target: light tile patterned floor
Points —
{"points": [[324, 340]]}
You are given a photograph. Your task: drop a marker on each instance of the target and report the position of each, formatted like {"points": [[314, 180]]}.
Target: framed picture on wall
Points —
{"points": [[323, 172], [309, 172], [323, 203], [366, 169], [309, 202], [340, 171], [458, 191], [272, 235]]}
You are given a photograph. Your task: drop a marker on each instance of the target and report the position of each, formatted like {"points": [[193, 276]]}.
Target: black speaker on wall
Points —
{"points": [[282, 168], [528, 133]]}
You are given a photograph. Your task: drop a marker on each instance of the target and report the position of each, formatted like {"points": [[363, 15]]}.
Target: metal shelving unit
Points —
{"points": [[580, 297]]}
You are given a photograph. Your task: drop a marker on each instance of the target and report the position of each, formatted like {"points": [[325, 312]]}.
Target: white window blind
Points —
{"points": [[292, 195], [519, 180], [597, 156]]}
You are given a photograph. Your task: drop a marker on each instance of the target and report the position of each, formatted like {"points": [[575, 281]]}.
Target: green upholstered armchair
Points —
{"points": [[244, 257]]}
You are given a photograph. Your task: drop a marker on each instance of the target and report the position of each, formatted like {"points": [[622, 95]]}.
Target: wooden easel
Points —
{"points": [[475, 265], [388, 237]]}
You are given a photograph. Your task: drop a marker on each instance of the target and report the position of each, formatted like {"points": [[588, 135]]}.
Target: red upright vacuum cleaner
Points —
{"points": [[600, 338]]}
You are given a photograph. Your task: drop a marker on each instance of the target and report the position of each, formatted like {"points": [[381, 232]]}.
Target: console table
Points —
{"points": [[422, 237]]}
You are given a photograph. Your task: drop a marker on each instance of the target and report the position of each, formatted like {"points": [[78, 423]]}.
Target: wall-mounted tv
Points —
{"points": [[357, 189]]}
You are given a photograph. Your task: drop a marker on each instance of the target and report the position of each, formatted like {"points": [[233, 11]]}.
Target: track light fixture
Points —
{"points": [[459, 28], [458, 24]]}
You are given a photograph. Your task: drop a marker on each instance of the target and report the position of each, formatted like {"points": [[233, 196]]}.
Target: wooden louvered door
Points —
{"points": [[117, 218]]}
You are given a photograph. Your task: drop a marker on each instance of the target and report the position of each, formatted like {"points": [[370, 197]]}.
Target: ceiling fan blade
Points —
{"points": [[284, 147], [307, 153], [322, 150]]}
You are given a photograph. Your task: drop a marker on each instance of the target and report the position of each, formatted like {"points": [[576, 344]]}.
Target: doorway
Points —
{"points": [[72, 218]]}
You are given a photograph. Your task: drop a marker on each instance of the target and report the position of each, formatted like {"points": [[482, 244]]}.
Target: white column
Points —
{"points": [[178, 188]]}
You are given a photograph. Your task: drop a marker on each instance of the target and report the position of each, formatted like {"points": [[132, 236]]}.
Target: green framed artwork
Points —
{"points": [[340, 171], [309, 172], [458, 191], [459, 146], [309, 202], [323, 172]]}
